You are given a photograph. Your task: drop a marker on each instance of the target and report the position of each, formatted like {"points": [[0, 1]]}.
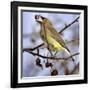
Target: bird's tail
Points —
{"points": [[69, 53]]}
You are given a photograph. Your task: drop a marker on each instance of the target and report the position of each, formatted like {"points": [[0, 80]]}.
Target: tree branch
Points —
{"points": [[72, 56], [69, 25], [67, 42], [32, 49], [54, 58]]}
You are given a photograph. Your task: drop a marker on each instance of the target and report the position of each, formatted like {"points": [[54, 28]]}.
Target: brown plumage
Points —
{"points": [[51, 36]]}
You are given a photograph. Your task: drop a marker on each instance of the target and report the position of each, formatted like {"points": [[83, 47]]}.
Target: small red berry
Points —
{"points": [[38, 61], [54, 72], [48, 64]]}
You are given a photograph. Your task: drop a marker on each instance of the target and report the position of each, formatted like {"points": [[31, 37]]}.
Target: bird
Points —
{"points": [[50, 36]]}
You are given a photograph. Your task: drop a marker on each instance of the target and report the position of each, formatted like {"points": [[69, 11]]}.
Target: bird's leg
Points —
{"points": [[50, 51], [55, 53]]}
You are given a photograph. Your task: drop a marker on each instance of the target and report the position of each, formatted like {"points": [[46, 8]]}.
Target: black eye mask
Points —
{"points": [[37, 17]]}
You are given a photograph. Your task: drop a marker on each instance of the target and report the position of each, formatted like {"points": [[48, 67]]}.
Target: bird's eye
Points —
{"points": [[36, 17]]}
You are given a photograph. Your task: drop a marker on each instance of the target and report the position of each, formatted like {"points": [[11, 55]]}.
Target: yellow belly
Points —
{"points": [[54, 45]]}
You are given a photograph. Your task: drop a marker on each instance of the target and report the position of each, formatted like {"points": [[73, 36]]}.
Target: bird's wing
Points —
{"points": [[54, 34]]}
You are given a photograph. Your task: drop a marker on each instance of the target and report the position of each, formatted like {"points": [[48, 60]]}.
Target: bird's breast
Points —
{"points": [[42, 34]]}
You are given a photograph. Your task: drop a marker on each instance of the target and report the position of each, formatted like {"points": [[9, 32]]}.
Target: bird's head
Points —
{"points": [[42, 20]]}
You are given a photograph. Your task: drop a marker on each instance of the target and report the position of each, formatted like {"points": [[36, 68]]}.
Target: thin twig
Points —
{"points": [[69, 25], [32, 49], [54, 58], [67, 42], [76, 67], [72, 56], [38, 51]]}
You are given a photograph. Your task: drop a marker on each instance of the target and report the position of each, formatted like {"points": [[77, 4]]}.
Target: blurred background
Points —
{"points": [[31, 38]]}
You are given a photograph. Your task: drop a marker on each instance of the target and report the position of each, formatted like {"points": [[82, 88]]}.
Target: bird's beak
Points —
{"points": [[38, 18]]}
